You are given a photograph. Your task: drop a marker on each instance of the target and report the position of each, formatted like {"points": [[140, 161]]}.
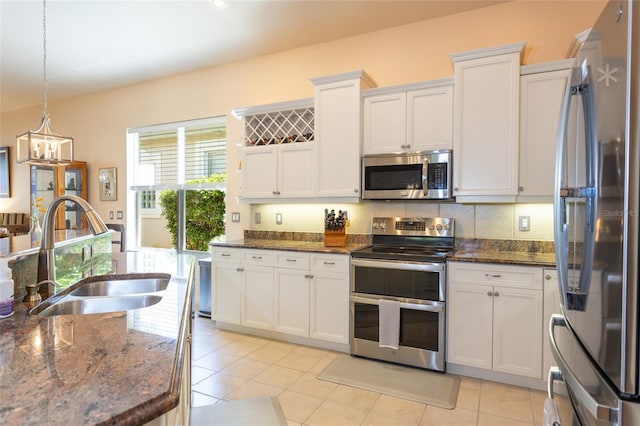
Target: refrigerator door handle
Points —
{"points": [[599, 411], [551, 416], [576, 298]]}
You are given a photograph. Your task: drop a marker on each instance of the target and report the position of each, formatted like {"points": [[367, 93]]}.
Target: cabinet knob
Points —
{"points": [[455, 189], [489, 293], [521, 188], [547, 277], [256, 257], [308, 276], [274, 192], [496, 294], [240, 269], [356, 190]]}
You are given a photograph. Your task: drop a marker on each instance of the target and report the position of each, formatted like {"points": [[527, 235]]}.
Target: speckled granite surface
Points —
{"points": [[119, 368], [515, 252]]}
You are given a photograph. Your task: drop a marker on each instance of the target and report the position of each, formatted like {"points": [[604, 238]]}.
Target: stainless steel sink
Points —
{"points": [[123, 285], [98, 305], [106, 293]]}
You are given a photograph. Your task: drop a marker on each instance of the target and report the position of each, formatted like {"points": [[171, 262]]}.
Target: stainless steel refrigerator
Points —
{"points": [[595, 340]]}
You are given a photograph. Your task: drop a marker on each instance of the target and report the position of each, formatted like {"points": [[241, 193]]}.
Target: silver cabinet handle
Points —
{"points": [[291, 260], [547, 277], [225, 254], [256, 257], [493, 275], [308, 275], [329, 263]]}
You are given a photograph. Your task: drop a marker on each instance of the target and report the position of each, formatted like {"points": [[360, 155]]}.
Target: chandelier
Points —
{"points": [[42, 146]]}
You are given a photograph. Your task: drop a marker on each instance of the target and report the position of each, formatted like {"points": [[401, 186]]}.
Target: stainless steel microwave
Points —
{"points": [[422, 175]]}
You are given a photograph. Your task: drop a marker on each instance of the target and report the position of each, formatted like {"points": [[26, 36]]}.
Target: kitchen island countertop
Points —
{"points": [[119, 368]]}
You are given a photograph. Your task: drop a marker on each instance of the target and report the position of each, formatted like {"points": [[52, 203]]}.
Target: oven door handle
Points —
{"points": [[390, 264], [428, 306]]}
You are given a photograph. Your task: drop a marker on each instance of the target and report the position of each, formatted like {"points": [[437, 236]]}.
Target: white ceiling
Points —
{"points": [[94, 45]]}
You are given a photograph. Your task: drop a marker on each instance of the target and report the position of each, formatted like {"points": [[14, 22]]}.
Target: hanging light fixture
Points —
{"points": [[42, 146]]}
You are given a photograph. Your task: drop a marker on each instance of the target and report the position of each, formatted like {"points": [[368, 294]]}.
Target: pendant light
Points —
{"points": [[42, 146]]}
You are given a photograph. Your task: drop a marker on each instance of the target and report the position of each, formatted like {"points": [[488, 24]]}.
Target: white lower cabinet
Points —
{"points": [[495, 318], [294, 293], [329, 297]]}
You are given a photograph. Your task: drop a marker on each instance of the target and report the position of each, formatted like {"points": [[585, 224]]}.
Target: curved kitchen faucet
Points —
{"points": [[46, 263]]}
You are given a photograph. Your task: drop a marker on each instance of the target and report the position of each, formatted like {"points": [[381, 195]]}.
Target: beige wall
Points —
{"points": [[399, 55]]}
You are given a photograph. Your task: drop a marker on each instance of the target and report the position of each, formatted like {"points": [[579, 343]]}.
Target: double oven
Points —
{"points": [[401, 278]]}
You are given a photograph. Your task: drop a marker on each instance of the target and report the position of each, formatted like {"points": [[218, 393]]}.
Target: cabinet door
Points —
{"points": [[295, 170], [227, 281], [330, 307], [384, 123], [551, 306], [71, 180], [257, 306], [292, 301], [486, 104], [338, 145], [430, 119], [470, 324], [540, 102], [517, 331], [260, 172]]}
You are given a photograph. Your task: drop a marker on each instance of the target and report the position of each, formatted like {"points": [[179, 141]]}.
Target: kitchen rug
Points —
{"points": [[427, 387]]}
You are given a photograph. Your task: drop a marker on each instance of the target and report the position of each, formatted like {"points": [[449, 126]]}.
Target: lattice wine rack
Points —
{"points": [[295, 125]]}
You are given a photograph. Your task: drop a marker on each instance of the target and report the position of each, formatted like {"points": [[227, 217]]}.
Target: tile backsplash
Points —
{"points": [[482, 221]]}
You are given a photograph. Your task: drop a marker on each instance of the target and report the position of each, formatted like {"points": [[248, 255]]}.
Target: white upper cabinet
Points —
{"points": [[338, 112], [277, 154], [416, 117], [486, 124], [542, 87]]}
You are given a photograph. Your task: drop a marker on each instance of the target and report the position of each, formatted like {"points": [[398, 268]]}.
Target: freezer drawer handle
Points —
{"points": [[598, 411]]}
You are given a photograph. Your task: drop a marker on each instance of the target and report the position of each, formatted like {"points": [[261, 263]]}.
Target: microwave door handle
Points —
{"points": [[425, 176]]}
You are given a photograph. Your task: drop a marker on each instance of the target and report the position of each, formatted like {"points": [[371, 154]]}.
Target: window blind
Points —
{"points": [[179, 155]]}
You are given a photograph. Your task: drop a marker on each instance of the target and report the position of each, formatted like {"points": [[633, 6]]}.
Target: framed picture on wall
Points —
{"points": [[5, 185], [108, 184]]}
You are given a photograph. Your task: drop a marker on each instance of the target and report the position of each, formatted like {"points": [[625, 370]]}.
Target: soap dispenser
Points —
{"points": [[6, 289]]}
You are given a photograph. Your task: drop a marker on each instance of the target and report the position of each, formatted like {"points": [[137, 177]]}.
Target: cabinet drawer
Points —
{"points": [[330, 263], [225, 255], [257, 257], [493, 274], [292, 260]]}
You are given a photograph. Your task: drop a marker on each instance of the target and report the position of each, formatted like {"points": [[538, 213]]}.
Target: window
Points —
{"points": [[178, 157]]}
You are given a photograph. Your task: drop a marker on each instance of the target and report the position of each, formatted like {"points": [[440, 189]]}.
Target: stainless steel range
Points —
{"points": [[398, 292]]}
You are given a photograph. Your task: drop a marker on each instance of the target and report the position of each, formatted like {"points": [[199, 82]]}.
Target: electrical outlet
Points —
{"points": [[119, 214], [235, 217], [524, 223], [278, 218], [258, 218], [111, 215]]}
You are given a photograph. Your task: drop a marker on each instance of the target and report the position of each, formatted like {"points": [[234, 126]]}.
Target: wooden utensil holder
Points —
{"points": [[335, 238]]}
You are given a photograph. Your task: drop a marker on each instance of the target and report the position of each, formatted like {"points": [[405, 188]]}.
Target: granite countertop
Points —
{"points": [[484, 251], [291, 245], [120, 368], [506, 257]]}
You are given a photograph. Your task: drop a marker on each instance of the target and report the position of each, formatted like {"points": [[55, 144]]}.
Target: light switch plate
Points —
{"points": [[119, 214], [235, 217], [278, 218], [111, 215], [257, 218], [524, 223]]}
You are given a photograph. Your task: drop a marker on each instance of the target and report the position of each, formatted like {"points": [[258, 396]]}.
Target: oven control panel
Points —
{"points": [[414, 226]]}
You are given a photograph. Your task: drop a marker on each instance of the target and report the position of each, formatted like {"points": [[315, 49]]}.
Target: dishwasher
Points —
{"points": [[205, 287]]}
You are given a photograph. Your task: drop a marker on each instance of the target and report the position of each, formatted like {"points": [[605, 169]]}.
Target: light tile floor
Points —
{"points": [[230, 366]]}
